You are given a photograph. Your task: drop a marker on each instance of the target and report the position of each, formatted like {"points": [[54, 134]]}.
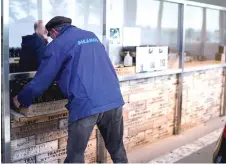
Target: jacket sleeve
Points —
{"points": [[44, 77]]}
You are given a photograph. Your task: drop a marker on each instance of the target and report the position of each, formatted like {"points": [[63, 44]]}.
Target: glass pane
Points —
{"points": [[169, 32], [148, 23], [84, 14], [193, 24], [213, 34], [22, 16], [145, 17], [95, 17], [68, 8], [203, 37], [224, 27], [212, 26], [143, 13], [193, 36], [169, 28]]}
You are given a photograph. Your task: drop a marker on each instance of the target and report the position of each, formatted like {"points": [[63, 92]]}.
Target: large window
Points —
{"points": [[51, 8], [143, 14], [223, 27], [212, 26], [193, 34], [193, 24], [169, 24], [204, 34], [22, 15], [86, 14], [212, 34], [158, 21], [95, 17], [146, 23]]}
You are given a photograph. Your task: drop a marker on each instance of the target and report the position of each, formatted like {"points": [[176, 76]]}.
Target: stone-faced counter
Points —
{"points": [[202, 96], [149, 115], [149, 110]]}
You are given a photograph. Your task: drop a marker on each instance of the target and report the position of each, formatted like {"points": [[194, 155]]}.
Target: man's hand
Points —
{"points": [[16, 102], [44, 37]]}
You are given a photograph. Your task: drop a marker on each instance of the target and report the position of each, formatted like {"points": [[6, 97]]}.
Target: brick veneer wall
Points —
{"points": [[149, 110], [148, 116], [202, 97], [45, 142]]}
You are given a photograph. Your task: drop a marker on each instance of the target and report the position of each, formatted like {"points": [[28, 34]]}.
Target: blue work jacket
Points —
{"points": [[79, 63], [32, 52]]}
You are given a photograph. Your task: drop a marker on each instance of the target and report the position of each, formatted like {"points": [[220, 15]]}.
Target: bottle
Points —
{"points": [[11, 52], [128, 60], [17, 52]]}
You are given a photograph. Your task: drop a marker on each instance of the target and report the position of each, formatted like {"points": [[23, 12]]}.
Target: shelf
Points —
{"points": [[14, 60], [189, 67], [21, 75]]}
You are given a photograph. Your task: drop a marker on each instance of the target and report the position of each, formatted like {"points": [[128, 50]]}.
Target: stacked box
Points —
{"points": [[202, 97], [41, 136], [173, 61], [44, 108], [222, 49], [220, 55], [125, 71]]}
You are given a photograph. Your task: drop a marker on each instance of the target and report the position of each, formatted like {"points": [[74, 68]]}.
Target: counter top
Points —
{"points": [[149, 74], [189, 67], [203, 65]]}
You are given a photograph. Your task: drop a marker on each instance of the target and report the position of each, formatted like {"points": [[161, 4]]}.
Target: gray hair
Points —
{"points": [[37, 24]]}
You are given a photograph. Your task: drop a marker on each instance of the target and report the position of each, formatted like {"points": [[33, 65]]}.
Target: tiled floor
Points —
{"points": [[152, 152], [204, 155], [192, 150]]}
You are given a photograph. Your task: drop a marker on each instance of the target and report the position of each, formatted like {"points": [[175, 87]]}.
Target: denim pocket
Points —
{"points": [[84, 122]]}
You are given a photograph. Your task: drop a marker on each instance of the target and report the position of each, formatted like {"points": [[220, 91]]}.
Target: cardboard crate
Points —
{"points": [[20, 120], [60, 154], [125, 71], [220, 57], [25, 131], [51, 156], [22, 143], [173, 61], [222, 49], [35, 150], [44, 108], [52, 135], [63, 123], [28, 160]]}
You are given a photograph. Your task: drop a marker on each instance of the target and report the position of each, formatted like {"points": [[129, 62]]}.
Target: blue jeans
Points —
{"points": [[110, 124]]}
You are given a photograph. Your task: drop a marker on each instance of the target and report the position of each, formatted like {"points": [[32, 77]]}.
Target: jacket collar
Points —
{"points": [[65, 28], [39, 36]]}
